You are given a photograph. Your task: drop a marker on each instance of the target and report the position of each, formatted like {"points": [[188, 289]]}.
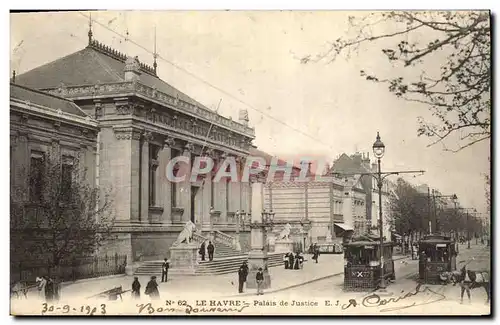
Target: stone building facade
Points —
{"points": [[43, 125], [144, 123]]}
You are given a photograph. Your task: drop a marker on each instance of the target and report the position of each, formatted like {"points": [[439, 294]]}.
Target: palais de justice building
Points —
{"points": [[144, 122]]}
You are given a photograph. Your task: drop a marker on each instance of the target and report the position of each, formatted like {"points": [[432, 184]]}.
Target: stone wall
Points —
{"points": [[152, 245]]}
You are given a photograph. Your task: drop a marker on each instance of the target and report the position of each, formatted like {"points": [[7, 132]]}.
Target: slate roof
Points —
{"points": [[348, 165], [45, 100], [94, 64], [268, 158]]}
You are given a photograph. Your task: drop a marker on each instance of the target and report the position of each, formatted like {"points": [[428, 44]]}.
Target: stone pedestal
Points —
{"points": [[183, 259], [283, 246], [257, 259]]}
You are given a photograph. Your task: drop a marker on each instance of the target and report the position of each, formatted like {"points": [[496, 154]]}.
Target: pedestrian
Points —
{"points": [[259, 277], [210, 249], [242, 276], [315, 253], [296, 264], [290, 260], [152, 289], [42, 282], [285, 260], [202, 251], [49, 290], [164, 270], [136, 288]]}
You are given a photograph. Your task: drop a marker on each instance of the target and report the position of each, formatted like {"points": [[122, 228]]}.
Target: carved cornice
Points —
{"points": [[151, 93], [127, 133]]}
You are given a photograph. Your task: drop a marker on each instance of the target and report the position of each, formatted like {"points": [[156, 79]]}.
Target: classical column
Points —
{"points": [[146, 138], [185, 186], [163, 185], [257, 257], [121, 166]]}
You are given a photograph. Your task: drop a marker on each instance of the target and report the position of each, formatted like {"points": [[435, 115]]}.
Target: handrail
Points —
{"points": [[224, 238], [199, 238]]}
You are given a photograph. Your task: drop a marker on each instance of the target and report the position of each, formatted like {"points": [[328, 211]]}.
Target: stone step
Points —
{"points": [[217, 266]]}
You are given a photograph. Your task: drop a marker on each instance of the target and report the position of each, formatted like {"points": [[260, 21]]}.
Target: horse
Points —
{"points": [[20, 289], [469, 280]]}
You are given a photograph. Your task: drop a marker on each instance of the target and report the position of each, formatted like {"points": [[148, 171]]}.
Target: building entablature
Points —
{"points": [[28, 108], [175, 139], [152, 95]]}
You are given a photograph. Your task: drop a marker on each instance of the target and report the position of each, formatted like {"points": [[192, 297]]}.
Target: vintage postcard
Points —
{"points": [[250, 163]]}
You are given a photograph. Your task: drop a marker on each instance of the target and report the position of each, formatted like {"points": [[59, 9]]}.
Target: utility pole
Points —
{"points": [[429, 208], [468, 230]]}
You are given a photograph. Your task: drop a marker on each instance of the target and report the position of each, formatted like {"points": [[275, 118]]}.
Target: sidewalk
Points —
{"points": [[225, 285]]}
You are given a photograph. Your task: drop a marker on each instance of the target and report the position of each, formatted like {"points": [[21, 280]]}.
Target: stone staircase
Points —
{"points": [[231, 264], [226, 258], [222, 265]]}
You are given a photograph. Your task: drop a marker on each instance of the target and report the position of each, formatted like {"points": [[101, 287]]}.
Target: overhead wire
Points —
{"points": [[128, 39]]}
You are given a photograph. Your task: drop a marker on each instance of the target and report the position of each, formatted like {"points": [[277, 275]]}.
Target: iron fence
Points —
{"points": [[69, 270]]}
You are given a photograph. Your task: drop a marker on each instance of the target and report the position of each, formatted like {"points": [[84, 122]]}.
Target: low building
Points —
{"points": [[41, 125]]}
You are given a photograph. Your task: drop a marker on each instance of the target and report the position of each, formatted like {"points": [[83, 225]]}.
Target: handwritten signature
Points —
{"points": [[187, 308], [375, 300]]}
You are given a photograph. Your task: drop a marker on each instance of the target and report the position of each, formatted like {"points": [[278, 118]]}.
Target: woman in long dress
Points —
{"points": [[136, 288]]}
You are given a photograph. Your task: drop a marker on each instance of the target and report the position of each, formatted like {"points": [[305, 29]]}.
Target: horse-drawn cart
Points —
{"points": [[437, 255], [111, 294], [362, 263]]}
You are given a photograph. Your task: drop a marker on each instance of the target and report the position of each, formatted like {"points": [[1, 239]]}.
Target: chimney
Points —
{"points": [[132, 69], [374, 167], [366, 161], [243, 117]]}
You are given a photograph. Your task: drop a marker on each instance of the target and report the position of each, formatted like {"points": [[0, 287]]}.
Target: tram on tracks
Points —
{"points": [[362, 263], [437, 254]]}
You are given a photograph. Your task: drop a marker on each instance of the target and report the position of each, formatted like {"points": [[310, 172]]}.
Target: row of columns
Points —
{"points": [[140, 166]]}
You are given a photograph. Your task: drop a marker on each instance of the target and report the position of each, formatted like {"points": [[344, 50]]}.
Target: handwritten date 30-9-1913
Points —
{"points": [[48, 309]]}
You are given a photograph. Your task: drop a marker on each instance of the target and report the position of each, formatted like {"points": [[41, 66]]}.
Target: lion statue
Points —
{"points": [[186, 233], [285, 233]]}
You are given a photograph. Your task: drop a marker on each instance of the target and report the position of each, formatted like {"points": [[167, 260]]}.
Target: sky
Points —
{"points": [[251, 60]]}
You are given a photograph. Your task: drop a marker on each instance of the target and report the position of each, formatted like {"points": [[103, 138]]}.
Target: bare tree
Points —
{"points": [[62, 216], [458, 93]]}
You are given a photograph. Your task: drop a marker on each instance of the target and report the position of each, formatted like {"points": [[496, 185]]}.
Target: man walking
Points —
{"points": [[164, 270], [210, 249], [202, 251], [242, 276], [260, 281]]}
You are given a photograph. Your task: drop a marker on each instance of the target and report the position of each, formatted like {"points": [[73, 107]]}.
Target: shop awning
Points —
{"points": [[344, 226]]}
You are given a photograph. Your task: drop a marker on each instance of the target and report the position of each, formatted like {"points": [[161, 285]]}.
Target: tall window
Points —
{"points": [[67, 177], [153, 166], [37, 168]]}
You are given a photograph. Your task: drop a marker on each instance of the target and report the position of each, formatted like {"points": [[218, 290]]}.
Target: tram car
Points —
{"points": [[362, 263], [437, 254]]}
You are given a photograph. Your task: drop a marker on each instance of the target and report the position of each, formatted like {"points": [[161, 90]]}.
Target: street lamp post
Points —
{"points": [[379, 150]]}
